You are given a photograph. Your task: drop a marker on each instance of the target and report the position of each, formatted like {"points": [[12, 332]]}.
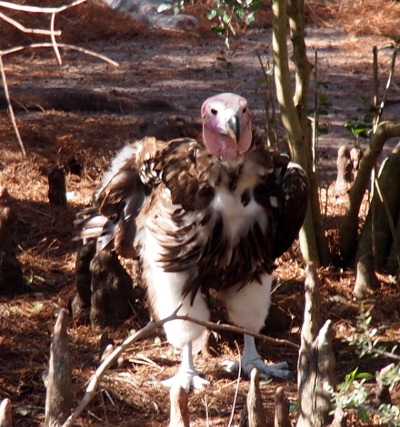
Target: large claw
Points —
{"points": [[251, 359], [186, 378], [280, 370], [187, 375]]}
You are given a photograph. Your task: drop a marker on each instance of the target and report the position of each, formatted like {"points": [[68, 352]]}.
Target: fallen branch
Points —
{"points": [[26, 30], [64, 46], [109, 361], [151, 326], [238, 330], [38, 9]]}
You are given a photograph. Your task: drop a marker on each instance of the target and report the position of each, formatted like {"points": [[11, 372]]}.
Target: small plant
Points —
{"points": [[352, 393], [360, 128], [224, 15]]}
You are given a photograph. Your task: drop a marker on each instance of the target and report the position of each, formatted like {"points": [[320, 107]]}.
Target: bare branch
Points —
{"points": [[109, 361], [22, 28], [236, 329], [64, 46], [10, 107], [53, 38], [37, 9]]}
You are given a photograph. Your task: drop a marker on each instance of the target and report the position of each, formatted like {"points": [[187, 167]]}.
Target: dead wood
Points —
{"points": [[316, 359], [70, 99], [255, 409], [58, 380], [5, 413], [377, 234], [11, 277], [282, 418], [57, 187], [179, 415], [382, 393], [349, 226], [366, 280], [8, 216]]}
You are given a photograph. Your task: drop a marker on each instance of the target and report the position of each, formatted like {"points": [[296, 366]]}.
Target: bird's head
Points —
{"points": [[226, 126]]}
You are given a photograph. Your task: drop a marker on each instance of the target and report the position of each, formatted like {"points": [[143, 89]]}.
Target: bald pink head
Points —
{"points": [[226, 126]]}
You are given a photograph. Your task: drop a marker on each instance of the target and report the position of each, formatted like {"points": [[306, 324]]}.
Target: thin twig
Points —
{"points": [[38, 9], [26, 30], [64, 46], [236, 329], [53, 38], [10, 107], [109, 361]]}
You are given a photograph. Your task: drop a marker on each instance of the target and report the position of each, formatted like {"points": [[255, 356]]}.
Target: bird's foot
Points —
{"points": [[279, 370], [186, 378]]}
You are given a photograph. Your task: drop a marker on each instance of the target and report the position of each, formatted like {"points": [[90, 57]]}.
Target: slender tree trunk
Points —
{"points": [[349, 226], [294, 117]]}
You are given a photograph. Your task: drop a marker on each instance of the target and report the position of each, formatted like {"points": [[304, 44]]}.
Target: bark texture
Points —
{"points": [[58, 381], [316, 360]]}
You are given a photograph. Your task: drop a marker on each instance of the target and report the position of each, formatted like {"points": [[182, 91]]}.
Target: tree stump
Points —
{"points": [[366, 280], [58, 380], [5, 413], [344, 170], [11, 277], [255, 409], [316, 360], [179, 415], [57, 187], [281, 409]]}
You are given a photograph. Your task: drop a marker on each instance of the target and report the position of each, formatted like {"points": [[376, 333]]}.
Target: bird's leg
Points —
{"points": [[251, 359], [187, 375]]}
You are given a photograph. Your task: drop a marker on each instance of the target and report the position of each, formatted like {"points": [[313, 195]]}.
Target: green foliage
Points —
{"points": [[352, 393], [224, 15], [360, 128]]}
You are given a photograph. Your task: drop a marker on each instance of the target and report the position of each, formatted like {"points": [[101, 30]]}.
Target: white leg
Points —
{"points": [[187, 375], [248, 308], [165, 293]]}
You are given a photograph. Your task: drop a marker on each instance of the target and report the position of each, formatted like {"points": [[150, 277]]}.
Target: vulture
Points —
{"points": [[201, 215]]}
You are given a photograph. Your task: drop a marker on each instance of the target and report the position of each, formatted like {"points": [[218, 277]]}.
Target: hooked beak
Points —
{"points": [[233, 127]]}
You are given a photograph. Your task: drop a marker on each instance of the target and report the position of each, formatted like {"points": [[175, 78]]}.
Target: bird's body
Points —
{"points": [[200, 215]]}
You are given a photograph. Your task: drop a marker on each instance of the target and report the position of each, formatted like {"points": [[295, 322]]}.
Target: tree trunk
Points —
{"points": [[349, 226], [294, 118], [377, 234]]}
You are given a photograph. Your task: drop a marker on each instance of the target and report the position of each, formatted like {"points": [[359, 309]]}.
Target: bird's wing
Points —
{"points": [[189, 172], [120, 197], [292, 201]]}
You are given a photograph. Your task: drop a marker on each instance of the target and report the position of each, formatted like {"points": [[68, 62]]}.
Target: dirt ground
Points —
{"points": [[163, 75]]}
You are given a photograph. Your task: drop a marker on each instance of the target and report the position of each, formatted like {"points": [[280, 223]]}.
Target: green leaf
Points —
{"points": [[211, 14], [218, 29], [363, 414], [250, 18]]}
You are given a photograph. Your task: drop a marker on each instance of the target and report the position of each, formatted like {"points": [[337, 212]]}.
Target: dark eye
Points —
{"points": [[214, 111], [244, 110]]}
